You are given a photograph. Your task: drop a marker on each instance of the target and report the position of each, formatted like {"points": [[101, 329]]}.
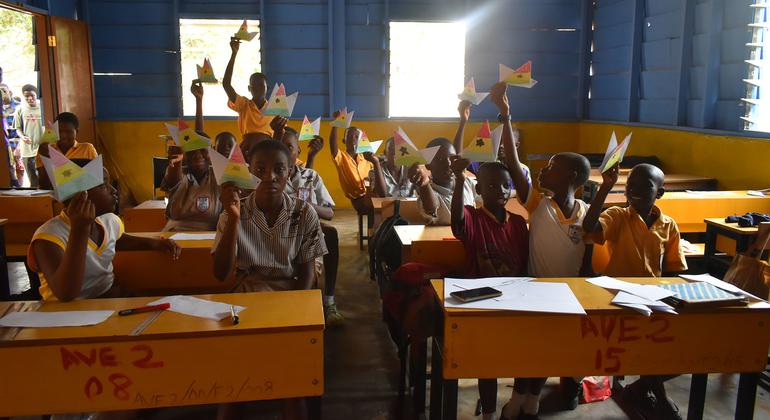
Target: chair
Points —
{"points": [[159, 165], [363, 235]]}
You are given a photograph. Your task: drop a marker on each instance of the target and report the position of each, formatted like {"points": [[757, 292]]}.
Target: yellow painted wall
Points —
{"points": [[130, 145], [737, 162]]}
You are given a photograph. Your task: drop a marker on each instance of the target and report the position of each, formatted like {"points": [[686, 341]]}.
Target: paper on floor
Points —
{"points": [[519, 294], [193, 236], [201, 308], [54, 319], [646, 291]]}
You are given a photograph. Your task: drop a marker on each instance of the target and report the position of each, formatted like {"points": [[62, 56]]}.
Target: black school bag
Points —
{"points": [[385, 248]]}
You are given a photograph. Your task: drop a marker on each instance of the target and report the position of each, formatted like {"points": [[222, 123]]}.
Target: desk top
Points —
{"points": [[410, 233], [300, 309], [592, 297], [596, 177], [151, 205], [184, 244], [380, 202], [732, 227]]}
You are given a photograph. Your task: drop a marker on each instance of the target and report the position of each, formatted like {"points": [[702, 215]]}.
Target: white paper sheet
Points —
{"points": [[54, 319], [519, 294], [646, 291], [641, 304], [201, 308], [24, 193], [193, 236], [708, 278]]}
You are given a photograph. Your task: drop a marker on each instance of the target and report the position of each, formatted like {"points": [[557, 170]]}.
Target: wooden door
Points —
{"points": [[74, 74]]}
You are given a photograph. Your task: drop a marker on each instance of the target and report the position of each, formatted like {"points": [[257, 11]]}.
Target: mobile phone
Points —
{"points": [[472, 295]]}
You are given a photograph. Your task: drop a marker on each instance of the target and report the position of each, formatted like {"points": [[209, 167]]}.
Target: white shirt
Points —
{"points": [[306, 184], [556, 245], [443, 214]]}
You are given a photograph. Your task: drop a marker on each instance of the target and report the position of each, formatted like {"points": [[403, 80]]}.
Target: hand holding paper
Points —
{"points": [[615, 152], [243, 33]]}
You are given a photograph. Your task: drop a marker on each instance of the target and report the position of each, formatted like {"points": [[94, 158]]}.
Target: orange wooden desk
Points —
{"points": [[674, 182], [276, 351], [689, 209], [728, 238], [383, 208], [608, 341], [149, 216], [25, 214], [431, 245], [153, 272]]}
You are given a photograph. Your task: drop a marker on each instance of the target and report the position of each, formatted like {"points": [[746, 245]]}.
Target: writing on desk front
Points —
{"points": [[134, 374], [617, 331]]}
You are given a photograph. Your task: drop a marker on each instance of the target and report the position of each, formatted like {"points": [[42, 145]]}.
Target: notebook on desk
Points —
{"points": [[701, 294]]}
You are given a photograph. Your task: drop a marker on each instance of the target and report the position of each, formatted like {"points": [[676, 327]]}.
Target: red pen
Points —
{"points": [[150, 308]]}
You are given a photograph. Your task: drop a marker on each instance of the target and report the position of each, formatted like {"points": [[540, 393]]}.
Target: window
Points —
{"points": [[427, 68], [757, 100], [201, 38]]}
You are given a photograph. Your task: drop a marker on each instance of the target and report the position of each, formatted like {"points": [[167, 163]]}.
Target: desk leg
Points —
{"points": [[5, 280], [449, 407], [710, 247], [697, 396], [747, 393], [436, 379]]}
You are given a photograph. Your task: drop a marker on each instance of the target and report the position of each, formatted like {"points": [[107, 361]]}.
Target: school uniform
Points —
{"points": [[97, 272], [443, 214], [352, 173], [306, 184], [637, 250], [250, 117], [77, 151], [192, 205], [397, 185], [267, 257], [555, 240], [494, 248]]}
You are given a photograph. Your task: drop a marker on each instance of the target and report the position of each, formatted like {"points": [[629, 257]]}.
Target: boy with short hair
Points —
{"points": [[391, 180], [306, 184], [435, 188], [67, 144], [352, 167], [495, 241], [250, 116], [73, 252], [556, 244], [28, 123], [643, 242]]}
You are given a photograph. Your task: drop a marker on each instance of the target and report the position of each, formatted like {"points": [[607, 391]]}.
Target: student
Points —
{"points": [[67, 144], [496, 241], [465, 112], [306, 184], [352, 168], [28, 123], [435, 188], [391, 180], [556, 245], [271, 240], [73, 252], [192, 191], [250, 116], [224, 143], [643, 242]]}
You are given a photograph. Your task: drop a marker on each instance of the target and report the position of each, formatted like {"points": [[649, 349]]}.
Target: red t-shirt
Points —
{"points": [[494, 248]]}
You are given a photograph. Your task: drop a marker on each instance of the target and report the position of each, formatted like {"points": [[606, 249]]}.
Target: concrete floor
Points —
{"points": [[362, 366]]}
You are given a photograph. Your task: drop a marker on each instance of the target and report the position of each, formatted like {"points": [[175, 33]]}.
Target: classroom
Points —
{"points": [[384, 209]]}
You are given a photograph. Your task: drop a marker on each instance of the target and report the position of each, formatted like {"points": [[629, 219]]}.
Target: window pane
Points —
{"points": [[427, 68], [201, 38]]}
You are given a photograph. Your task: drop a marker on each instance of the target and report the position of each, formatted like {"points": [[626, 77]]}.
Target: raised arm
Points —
{"points": [[591, 221], [333, 146], [278, 124], [197, 90], [174, 169], [225, 253], [420, 178], [465, 112], [64, 270], [227, 80], [380, 187], [499, 96], [458, 207], [314, 147]]}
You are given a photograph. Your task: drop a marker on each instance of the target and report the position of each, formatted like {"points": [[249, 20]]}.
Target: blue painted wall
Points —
{"points": [[711, 50]]}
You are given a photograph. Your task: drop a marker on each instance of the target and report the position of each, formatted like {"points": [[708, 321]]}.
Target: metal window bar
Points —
{"points": [[757, 101]]}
